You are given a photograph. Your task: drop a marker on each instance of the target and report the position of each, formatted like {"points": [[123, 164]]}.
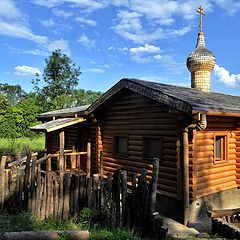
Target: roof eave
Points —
{"points": [[142, 90], [216, 112]]}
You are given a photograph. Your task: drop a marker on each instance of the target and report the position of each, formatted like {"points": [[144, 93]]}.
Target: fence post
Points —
{"points": [[73, 159], [101, 183], [76, 192], [49, 165], [38, 191], [109, 197], [117, 191], [32, 186], [61, 150], [153, 197], [124, 197], [88, 167], [3, 162], [67, 181], [26, 177], [154, 185]]}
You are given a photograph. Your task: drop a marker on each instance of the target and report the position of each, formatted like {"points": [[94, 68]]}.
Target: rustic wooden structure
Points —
{"points": [[25, 186], [196, 135]]}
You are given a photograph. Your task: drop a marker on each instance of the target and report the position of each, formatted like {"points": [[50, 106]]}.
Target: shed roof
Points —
{"points": [[67, 112], [57, 124], [181, 98]]}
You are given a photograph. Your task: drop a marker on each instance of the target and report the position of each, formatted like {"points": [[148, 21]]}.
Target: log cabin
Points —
{"points": [[194, 132]]}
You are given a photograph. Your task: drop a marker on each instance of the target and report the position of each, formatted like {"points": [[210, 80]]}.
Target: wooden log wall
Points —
{"points": [[136, 117], [207, 177], [238, 157]]}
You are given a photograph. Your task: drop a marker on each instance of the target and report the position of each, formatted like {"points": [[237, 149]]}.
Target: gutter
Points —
{"points": [[201, 125]]}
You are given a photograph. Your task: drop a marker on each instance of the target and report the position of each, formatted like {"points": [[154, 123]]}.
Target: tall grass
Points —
{"points": [[13, 146]]}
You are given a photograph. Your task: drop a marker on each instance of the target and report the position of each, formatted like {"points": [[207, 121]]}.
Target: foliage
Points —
{"points": [[19, 110], [14, 223], [16, 120], [87, 218], [13, 93], [14, 146], [61, 77], [51, 223], [26, 222]]}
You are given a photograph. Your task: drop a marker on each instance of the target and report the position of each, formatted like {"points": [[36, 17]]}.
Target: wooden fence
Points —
{"points": [[227, 229], [120, 199]]}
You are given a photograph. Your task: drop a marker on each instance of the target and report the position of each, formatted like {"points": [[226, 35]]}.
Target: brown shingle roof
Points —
{"points": [[181, 98]]}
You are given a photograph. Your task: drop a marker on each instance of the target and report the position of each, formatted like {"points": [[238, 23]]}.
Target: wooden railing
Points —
{"points": [[60, 162]]}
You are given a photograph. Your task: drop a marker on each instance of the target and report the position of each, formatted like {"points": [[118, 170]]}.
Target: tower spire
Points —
{"points": [[201, 61], [201, 13]]}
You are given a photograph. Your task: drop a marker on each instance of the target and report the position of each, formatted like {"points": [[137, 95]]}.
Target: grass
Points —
{"points": [[25, 222], [13, 146]]}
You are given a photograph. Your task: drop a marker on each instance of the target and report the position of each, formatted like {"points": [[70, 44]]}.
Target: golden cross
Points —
{"points": [[200, 11]]}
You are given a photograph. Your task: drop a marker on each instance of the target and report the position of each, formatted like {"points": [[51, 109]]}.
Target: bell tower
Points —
{"points": [[201, 62]]}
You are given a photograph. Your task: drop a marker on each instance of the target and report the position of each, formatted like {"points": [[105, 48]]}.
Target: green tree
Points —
{"points": [[16, 120], [61, 76], [14, 93]]}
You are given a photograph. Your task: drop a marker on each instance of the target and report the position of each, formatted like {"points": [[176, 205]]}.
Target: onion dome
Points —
{"points": [[201, 62], [201, 57]]}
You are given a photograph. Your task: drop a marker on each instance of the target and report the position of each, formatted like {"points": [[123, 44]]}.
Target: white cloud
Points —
{"points": [[130, 26], [62, 13], [26, 70], [85, 41], [145, 54], [94, 70], [89, 5], [230, 7], [8, 10], [157, 57], [17, 30], [86, 21], [48, 22], [46, 3], [145, 49], [59, 44], [23, 32], [224, 76]]}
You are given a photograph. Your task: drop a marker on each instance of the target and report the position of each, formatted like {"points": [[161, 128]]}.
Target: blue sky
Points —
{"points": [[113, 39]]}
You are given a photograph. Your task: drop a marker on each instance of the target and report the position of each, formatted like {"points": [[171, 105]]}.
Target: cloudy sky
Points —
{"points": [[113, 39]]}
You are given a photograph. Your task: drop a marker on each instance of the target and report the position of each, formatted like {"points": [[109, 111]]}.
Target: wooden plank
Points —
{"points": [[27, 176], [89, 192], [3, 162], [61, 150], [32, 186], [76, 195], [124, 197], [60, 206], [153, 194], [55, 198], [38, 192], [222, 212], [12, 164], [43, 159], [66, 198], [88, 167]]}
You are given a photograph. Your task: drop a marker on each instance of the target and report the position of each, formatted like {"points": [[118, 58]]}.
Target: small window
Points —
{"points": [[220, 148], [153, 147], [121, 145]]}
